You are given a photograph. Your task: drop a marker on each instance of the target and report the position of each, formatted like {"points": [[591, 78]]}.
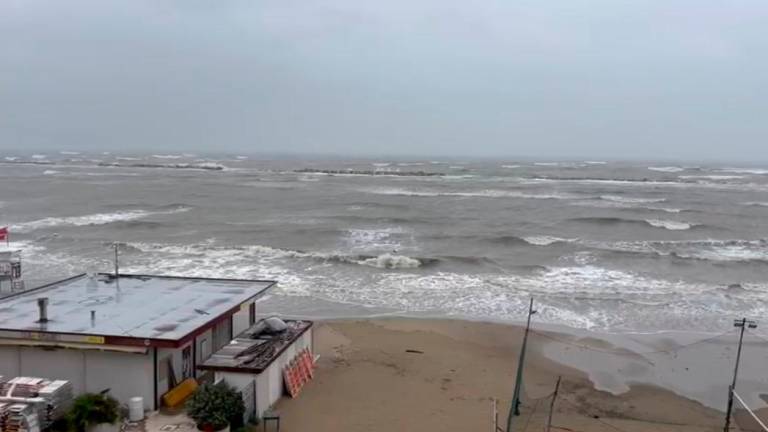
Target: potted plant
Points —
{"points": [[94, 412], [214, 407]]}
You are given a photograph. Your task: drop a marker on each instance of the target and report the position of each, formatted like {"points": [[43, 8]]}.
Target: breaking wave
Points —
{"points": [[756, 204], [656, 223], [208, 166], [631, 200], [667, 169], [383, 261], [709, 250], [670, 225], [487, 193], [544, 240], [92, 219], [753, 171]]}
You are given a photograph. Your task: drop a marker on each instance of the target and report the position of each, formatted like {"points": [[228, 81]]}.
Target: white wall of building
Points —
{"points": [[176, 355], [241, 320], [125, 374], [269, 384]]}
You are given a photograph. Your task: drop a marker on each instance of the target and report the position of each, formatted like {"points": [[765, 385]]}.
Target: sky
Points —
{"points": [[618, 79]]}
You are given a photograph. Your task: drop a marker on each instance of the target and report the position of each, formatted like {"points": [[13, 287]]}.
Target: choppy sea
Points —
{"points": [[610, 246]]}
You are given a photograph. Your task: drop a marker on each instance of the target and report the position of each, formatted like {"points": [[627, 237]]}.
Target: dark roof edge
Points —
{"points": [[128, 275], [42, 287]]}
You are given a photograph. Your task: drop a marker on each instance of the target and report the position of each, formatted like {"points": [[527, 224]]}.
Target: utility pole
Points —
{"points": [[552, 405], [743, 324], [514, 408]]}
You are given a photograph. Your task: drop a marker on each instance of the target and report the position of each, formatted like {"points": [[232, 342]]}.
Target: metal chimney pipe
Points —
{"points": [[42, 305], [93, 318]]}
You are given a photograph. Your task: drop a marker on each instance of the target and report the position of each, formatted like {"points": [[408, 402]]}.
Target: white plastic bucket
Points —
{"points": [[136, 409]]}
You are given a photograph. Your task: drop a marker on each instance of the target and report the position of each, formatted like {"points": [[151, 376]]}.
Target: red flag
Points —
{"points": [[4, 233]]}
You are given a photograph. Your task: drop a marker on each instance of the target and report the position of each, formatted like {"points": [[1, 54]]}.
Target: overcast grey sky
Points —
{"points": [[543, 78]]}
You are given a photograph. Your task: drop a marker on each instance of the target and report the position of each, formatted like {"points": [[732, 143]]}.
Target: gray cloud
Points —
{"points": [[615, 79]]}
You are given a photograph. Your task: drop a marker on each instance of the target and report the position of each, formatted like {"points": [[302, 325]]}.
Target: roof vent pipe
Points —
{"points": [[93, 318], [42, 305]]}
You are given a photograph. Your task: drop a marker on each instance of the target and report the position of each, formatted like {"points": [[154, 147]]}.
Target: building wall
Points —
{"points": [[126, 374], [241, 320], [176, 356], [204, 344], [269, 384]]}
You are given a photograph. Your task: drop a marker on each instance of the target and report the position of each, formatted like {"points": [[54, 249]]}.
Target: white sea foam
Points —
{"points": [[665, 209], [110, 174], [712, 250], [390, 261], [510, 166], [730, 253], [39, 156], [127, 158], [756, 204], [753, 171], [544, 240], [51, 172], [11, 158], [407, 164], [668, 224], [381, 164], [456, 167], [242, 157], [595, 162], [487, 193], [69, 153], [383, 261], [711, 177], [91, 219], [388, 239], [667, 169], [169, 156], [631, 200], [547, 164]]}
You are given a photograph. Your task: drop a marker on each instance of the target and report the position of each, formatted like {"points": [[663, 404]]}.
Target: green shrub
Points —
{"points": [[214, 407], [91, 409]]}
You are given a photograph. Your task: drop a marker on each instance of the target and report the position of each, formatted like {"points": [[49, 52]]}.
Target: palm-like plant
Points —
{"points": [[214, 407]]}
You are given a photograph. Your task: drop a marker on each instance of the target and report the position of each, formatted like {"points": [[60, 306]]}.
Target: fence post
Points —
{"points": [[552, 404]]}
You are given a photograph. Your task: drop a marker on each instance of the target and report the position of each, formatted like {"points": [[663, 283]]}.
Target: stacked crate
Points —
{"points": [[30, 404]]}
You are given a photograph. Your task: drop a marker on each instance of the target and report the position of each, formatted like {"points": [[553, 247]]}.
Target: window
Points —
{"points": [[186, 362]]}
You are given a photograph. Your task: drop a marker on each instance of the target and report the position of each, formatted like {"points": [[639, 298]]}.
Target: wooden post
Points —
{"points": [[552, 404]]}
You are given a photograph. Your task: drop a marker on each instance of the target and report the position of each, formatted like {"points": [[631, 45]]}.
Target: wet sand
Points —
{"points": [[443, 375]]}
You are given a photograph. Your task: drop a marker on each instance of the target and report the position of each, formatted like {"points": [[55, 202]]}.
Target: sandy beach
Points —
{"points": [[442, 375]]}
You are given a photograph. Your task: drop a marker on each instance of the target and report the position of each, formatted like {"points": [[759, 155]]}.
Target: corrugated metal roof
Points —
{"points": [[147, 307], [253, 353]]}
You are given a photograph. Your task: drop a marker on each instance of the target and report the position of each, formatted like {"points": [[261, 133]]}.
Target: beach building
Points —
{"points": [[136, 335], [256, 362]]}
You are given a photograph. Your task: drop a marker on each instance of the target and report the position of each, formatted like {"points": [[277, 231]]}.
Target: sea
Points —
{"points": [[599, 245]]}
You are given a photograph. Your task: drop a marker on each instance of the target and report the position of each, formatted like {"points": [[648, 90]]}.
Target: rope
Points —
{"points": [[752, 333], [630, 353], [535, 407], [754, 416]]}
